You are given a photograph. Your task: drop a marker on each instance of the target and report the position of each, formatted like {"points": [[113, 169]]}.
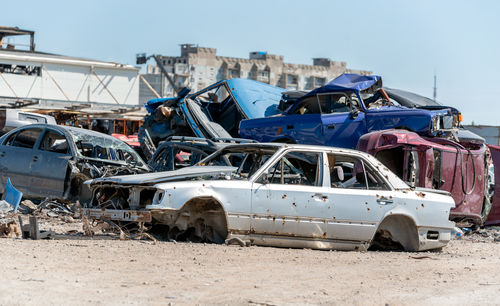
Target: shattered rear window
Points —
{"points": [[95, 146]]}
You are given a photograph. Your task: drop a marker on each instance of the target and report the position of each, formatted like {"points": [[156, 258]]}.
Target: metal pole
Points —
{"points": [[149, 86], [164, 71], [100, 81], [57, 85], [3, 78]]}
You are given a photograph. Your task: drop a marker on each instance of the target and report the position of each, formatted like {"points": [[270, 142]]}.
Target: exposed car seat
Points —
{"points": [[212, 129]]}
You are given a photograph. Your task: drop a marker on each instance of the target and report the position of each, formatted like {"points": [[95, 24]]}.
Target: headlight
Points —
{"points": [[159, 195]]}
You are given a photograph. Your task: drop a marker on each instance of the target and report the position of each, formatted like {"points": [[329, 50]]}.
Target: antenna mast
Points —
{"points": [[435, 88]]}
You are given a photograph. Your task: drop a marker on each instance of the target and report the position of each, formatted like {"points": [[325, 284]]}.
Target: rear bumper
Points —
{"points": [[433, 238]]}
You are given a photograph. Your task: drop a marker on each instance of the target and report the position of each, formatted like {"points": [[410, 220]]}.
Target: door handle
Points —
{"points": [[384, 201], [330, 126], [320, 196], [35, 158]]}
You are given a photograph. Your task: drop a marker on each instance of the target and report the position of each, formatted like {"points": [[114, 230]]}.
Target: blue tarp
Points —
{"points": [[347, 81]]}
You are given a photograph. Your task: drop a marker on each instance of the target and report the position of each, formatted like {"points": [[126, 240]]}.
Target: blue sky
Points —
{"points": [[404, 41]]}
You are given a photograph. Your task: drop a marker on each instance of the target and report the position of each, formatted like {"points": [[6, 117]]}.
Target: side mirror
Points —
{"points": [[264, 178], [354, 113]]}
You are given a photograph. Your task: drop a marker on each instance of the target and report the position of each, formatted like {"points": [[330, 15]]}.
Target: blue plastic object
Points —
{"points": [[12, 195]]}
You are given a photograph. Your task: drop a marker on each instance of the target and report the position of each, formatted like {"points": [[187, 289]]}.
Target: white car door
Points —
{"points": [[359, 198], [288, 199]]}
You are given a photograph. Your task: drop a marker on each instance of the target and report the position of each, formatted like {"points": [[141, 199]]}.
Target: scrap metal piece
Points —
{"points": [[117, 215], [31, 230]]}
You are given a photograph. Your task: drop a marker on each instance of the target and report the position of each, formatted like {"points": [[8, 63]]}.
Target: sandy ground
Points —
{"points": [[103, 270]]}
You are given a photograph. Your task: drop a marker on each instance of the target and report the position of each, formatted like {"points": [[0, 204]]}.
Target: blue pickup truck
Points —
{"points": [[343, 110]]}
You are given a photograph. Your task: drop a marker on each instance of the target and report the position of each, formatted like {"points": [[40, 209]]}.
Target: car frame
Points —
{"points": [[211, 202]]}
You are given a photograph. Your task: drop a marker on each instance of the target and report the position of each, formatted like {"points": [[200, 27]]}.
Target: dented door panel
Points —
{"points": [[49, 171], [353, 214], [289, 210]]}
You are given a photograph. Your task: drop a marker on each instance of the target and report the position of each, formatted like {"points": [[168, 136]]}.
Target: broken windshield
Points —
{"points": [[94, 145]]}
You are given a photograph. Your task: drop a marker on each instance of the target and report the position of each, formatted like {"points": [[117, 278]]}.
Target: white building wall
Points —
{"points": [[76, 83]]}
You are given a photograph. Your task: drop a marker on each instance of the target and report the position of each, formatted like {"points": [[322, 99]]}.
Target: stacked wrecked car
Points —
{"points": [[422, 140], [249, 161]]}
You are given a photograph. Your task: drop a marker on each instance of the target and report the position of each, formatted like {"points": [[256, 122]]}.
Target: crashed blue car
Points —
{"points": [[343, 110], [213, 112]]}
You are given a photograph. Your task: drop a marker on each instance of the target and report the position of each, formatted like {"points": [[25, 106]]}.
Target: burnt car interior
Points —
{"points": [[248, 160], [219, 106], [176, 157]]}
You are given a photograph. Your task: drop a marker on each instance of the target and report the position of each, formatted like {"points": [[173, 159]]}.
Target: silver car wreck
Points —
{"points": [[281, 195], [44, 160]]}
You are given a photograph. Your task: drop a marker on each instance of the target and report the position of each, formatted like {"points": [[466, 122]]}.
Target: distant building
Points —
{"points": [[50, 81], [198, 67], [490, 133]]}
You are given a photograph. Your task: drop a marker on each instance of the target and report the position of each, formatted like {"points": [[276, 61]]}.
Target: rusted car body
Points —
{"points": [[457, 167], [281, 195], [44, 160]]}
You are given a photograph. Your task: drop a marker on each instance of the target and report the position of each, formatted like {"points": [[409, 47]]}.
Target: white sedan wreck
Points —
{"points": [[281, 195]]}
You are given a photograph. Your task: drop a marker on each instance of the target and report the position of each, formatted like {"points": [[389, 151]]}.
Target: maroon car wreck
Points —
{"points": [[457, 167], [494, 216]]}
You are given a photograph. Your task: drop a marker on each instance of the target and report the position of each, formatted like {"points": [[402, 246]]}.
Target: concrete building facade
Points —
{"points": [[197, 67]]}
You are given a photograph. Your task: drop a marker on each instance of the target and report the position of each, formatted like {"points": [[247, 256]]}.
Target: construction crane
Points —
{"points": [[141, 59]]}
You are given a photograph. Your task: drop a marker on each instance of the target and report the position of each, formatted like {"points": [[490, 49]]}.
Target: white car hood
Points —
{"points": [[167, 176]]}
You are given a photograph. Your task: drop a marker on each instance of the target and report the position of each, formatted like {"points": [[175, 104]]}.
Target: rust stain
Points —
{"points": [[324, 235], [283, 196], [421, 194], [422, 205], [368, 208], [294, 204]]}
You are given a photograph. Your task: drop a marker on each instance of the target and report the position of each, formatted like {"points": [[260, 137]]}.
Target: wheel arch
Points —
{"points": [[208, 209], [400, 229]]}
